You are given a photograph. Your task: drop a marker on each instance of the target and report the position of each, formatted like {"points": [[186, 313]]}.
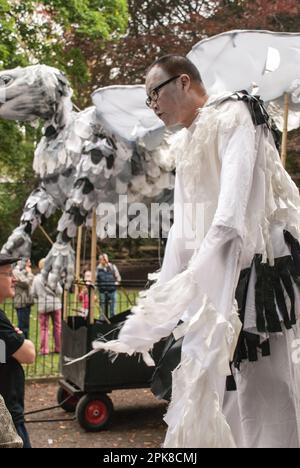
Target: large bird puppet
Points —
{"points": [[84, 159]]}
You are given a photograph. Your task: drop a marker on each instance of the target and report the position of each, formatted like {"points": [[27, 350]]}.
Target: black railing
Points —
{"points": [[47, 363]]}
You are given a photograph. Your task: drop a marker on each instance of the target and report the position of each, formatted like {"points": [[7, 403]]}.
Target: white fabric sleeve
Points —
{"points": [[215, 266], [171, 264]]}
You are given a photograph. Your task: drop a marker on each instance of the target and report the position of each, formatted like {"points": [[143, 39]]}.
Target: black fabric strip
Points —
{"points": [[286, 279], [252, 343], [230, 383], [259, 296], [285, 266], [273, 323], [295, 253], [241, 352], [265, 348], [281, 303], [272, 284]]}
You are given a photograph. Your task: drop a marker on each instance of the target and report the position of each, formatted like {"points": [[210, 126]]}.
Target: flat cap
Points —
{"points": [[6, 259]]}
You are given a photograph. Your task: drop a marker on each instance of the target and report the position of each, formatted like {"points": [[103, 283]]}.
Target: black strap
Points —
{"points": [[259, 113]]}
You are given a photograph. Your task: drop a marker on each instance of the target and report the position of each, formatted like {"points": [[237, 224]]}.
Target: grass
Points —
{"points": [[48, 366]]}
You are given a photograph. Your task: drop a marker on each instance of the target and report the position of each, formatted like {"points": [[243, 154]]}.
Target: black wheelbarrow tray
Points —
{"points": [[85, 384]]}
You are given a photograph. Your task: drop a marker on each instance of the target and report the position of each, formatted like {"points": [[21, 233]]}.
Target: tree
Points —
{"points": [[44, 32], [174, 26]]}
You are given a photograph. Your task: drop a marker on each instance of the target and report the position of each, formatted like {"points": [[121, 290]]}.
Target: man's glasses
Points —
{"points": [[153, 96], [6, 273]]}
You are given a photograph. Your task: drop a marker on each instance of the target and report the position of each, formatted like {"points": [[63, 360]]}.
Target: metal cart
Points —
{"points": [[85, 384]]}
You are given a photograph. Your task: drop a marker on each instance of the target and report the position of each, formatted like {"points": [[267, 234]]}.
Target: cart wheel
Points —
{"points": [[94, 412], [70, 404]]}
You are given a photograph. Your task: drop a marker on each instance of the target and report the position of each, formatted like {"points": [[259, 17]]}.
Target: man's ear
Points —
{"points": [[185, 82]]}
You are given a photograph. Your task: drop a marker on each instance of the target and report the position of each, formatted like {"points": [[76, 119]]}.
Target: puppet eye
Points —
{"points": [[5, 80]]}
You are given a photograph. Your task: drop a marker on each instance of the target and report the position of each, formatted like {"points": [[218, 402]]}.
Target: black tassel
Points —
{"points": [[259, 295]]}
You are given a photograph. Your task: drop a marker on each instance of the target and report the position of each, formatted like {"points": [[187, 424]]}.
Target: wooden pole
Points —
{"points": [[65, 309], [93, 263], [98, 247], [46, 235], [285, 129], [78, 258]]}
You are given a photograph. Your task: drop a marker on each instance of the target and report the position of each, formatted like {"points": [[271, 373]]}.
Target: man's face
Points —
{"points": [[103, 260], [167, 106], [7, 282]]}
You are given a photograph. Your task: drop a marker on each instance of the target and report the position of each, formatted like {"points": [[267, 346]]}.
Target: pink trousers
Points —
{"points": [[44, 329]]}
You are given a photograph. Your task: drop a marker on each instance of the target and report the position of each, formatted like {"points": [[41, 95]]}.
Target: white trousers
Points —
{"points": [[262, 413]]}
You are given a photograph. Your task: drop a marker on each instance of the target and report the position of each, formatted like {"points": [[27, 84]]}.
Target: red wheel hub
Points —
{"points": [[96, 412]]}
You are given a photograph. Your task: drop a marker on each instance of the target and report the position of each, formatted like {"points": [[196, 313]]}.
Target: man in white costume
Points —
{"points": [[228, 164]]}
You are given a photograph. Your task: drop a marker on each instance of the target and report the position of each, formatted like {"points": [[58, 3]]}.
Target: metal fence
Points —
{"points": [[73, 303]]}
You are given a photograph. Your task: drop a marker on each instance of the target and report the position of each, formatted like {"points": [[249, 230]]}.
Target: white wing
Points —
{"points": [[239, 59], [122, 110]]}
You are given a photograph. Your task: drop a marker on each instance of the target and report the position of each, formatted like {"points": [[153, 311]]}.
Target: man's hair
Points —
{"points": [[104, 256], [177, 65]]}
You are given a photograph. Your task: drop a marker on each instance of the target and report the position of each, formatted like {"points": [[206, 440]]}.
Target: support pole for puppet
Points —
{"points": [[65, 305], [285, 130], [93, 263], [78, 258], [45, 234]]}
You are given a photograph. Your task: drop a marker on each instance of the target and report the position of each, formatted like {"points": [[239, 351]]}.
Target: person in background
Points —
{"points": [[18, 350], [84, 293], [49, 306], [23, 300], [107, 277]]}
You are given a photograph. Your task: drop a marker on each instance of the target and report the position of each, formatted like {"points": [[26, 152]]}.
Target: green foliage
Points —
{"points": [[17, 179], [44, 32], [39, 30], [90, 18]]}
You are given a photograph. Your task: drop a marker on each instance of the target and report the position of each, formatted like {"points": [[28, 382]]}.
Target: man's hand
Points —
{"points": [[18, 331]]}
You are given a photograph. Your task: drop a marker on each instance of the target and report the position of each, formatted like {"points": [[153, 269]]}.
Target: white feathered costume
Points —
{"points": [[231, 170]]}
